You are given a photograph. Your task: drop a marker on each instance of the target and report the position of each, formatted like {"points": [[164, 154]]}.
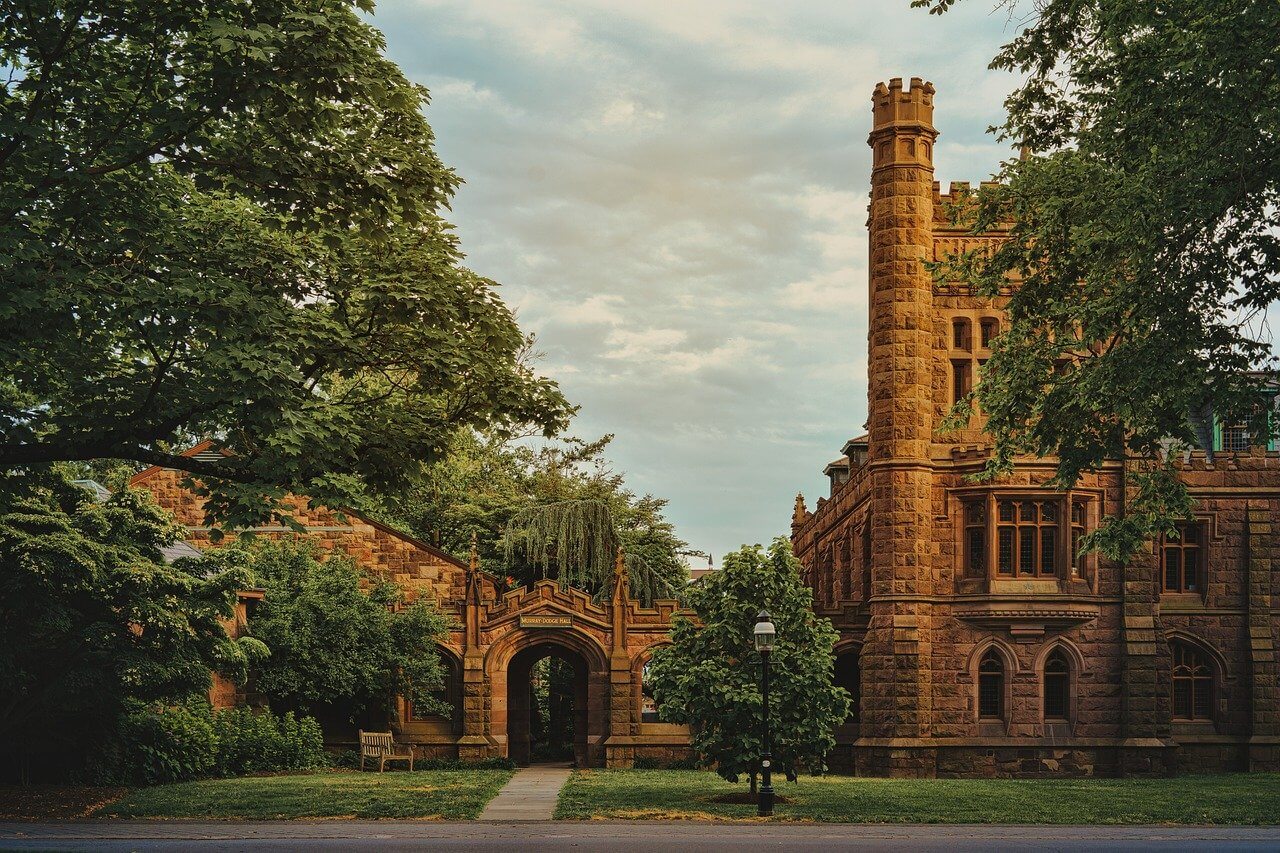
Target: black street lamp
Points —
{"points": [[764, 634]]}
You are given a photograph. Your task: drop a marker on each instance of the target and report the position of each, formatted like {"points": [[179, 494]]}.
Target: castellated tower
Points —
{"points": [[977, 635], [896, 696]]}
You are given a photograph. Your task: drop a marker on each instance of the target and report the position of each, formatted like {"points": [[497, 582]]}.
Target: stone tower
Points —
{"points": [[896, 666]]}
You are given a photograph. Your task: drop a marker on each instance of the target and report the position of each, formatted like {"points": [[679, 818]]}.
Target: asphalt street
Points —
{"points": [[647, 836]]}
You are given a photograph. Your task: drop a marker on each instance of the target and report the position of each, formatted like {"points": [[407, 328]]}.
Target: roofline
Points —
{"points": [[430, 549], [189, 452]]}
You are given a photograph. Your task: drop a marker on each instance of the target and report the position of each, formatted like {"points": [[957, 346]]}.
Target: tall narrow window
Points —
{"points": [[866, 559], [961, 380], [975, 538], [991, 686], [1181, 558], [1027, 534], [990, 327], [1057, 686], [960, 338], [1192, 684], [1077, 532], [848, 675]]}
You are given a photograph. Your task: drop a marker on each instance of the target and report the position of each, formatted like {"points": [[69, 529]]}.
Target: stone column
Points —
{"points": [[624, 718], [1146, 704], [1264, 675], [895, 661], [475, 743]]}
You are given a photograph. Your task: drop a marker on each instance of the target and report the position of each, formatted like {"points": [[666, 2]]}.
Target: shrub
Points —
{"points": [[159, 745], [155, 745], [251, 741]]}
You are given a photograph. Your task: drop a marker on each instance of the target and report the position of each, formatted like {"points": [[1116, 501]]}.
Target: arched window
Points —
{"points": [[1057, 687], [848, 675], [991, 686], [1192, 684]]}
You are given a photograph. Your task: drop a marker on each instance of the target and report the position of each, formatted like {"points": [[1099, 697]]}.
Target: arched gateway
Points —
{"points": [[497, 644]]}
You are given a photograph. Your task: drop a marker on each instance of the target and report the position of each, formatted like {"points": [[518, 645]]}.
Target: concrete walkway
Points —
{"points": [[530, 795]]}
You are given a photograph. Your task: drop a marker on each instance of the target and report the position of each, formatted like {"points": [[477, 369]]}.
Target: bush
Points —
{"points": [[258, 741], [156, 745], [161, 745]]}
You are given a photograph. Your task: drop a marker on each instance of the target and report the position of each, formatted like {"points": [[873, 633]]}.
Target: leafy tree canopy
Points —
{"points": [[334, 644], [531, 507], [709, 677], [92, 619], [225, 220], [1145, 231]]}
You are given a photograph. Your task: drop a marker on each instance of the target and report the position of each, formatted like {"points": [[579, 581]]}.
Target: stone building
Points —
{"points": [[975, 639], [497, 638]]}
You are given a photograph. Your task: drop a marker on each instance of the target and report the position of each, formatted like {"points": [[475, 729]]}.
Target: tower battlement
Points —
{"points": [[892, 105]]}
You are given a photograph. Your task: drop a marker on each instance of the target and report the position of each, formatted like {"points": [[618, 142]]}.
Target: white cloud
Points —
{"points": [[674, 196]]}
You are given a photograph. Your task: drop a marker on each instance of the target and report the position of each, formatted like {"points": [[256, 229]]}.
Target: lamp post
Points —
{"points": [[764, 634]]}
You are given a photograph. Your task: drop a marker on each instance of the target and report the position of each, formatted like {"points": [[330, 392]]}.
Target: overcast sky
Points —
{"points": [[673, 196]]}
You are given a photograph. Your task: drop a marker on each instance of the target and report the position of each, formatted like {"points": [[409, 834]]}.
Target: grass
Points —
{"points": [[425, 794], [690, 794]]}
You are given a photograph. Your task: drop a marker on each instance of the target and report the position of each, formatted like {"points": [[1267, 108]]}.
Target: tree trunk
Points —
{"points": [[754, 791]]}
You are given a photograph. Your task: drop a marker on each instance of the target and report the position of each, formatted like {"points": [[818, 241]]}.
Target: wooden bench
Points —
{"points": [[381, 746]]}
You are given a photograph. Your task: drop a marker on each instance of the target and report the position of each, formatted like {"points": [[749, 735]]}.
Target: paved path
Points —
{"points": [[530, 795], [637, 836]]}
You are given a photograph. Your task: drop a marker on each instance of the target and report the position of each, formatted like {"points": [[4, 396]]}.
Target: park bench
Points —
{"points": [[380, 746]]}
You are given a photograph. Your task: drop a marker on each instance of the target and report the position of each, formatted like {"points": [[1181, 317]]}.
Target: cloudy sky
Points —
{"points": [[673, 196]]}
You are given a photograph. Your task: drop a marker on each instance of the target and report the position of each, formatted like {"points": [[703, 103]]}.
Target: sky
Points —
{"points": [[673, 197]]}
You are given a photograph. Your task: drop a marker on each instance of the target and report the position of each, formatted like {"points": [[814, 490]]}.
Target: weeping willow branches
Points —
{"points": [[574, 542]]}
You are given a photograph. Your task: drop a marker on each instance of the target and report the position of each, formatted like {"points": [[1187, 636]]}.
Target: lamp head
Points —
{"points": [[764, 632]]}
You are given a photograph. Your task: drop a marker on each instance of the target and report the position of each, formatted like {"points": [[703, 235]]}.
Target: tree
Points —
{"points": [[92, 619], [556, 510], [334, 645], [224, 220], [709, 677], [1144, 229]]}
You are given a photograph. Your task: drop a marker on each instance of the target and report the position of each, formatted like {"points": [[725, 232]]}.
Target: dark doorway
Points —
{"points": [[547, 706]]}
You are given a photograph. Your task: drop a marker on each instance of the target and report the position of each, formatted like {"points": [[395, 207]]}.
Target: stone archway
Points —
{"points": [[509, 664], [521, 713]]}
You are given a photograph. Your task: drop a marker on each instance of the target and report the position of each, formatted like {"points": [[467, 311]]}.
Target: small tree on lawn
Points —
{"points": [[709, 677]]}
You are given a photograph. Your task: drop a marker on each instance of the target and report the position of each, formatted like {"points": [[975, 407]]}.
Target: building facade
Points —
{"points": [[974, 636], [497, 638]]}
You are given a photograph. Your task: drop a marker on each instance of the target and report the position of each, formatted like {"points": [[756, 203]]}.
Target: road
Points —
{"points": [[641, 837]]}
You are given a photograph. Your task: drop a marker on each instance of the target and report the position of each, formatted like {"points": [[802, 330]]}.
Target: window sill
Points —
{"points": [[1028, 613], [1174, 602]]}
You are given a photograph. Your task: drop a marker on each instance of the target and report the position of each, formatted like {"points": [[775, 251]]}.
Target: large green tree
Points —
{"points": [[336, 646], [709, 677], [93, 620], [224, 219], [1146, 232]]}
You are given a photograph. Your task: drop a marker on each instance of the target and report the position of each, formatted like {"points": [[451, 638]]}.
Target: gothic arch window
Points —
{"points": [[848, 674], [991, 678], [1057, 687], [1194, 683]]}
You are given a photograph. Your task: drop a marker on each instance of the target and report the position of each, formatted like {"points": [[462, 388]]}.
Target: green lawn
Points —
{"points": [[438, 794], [655, 794]]}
